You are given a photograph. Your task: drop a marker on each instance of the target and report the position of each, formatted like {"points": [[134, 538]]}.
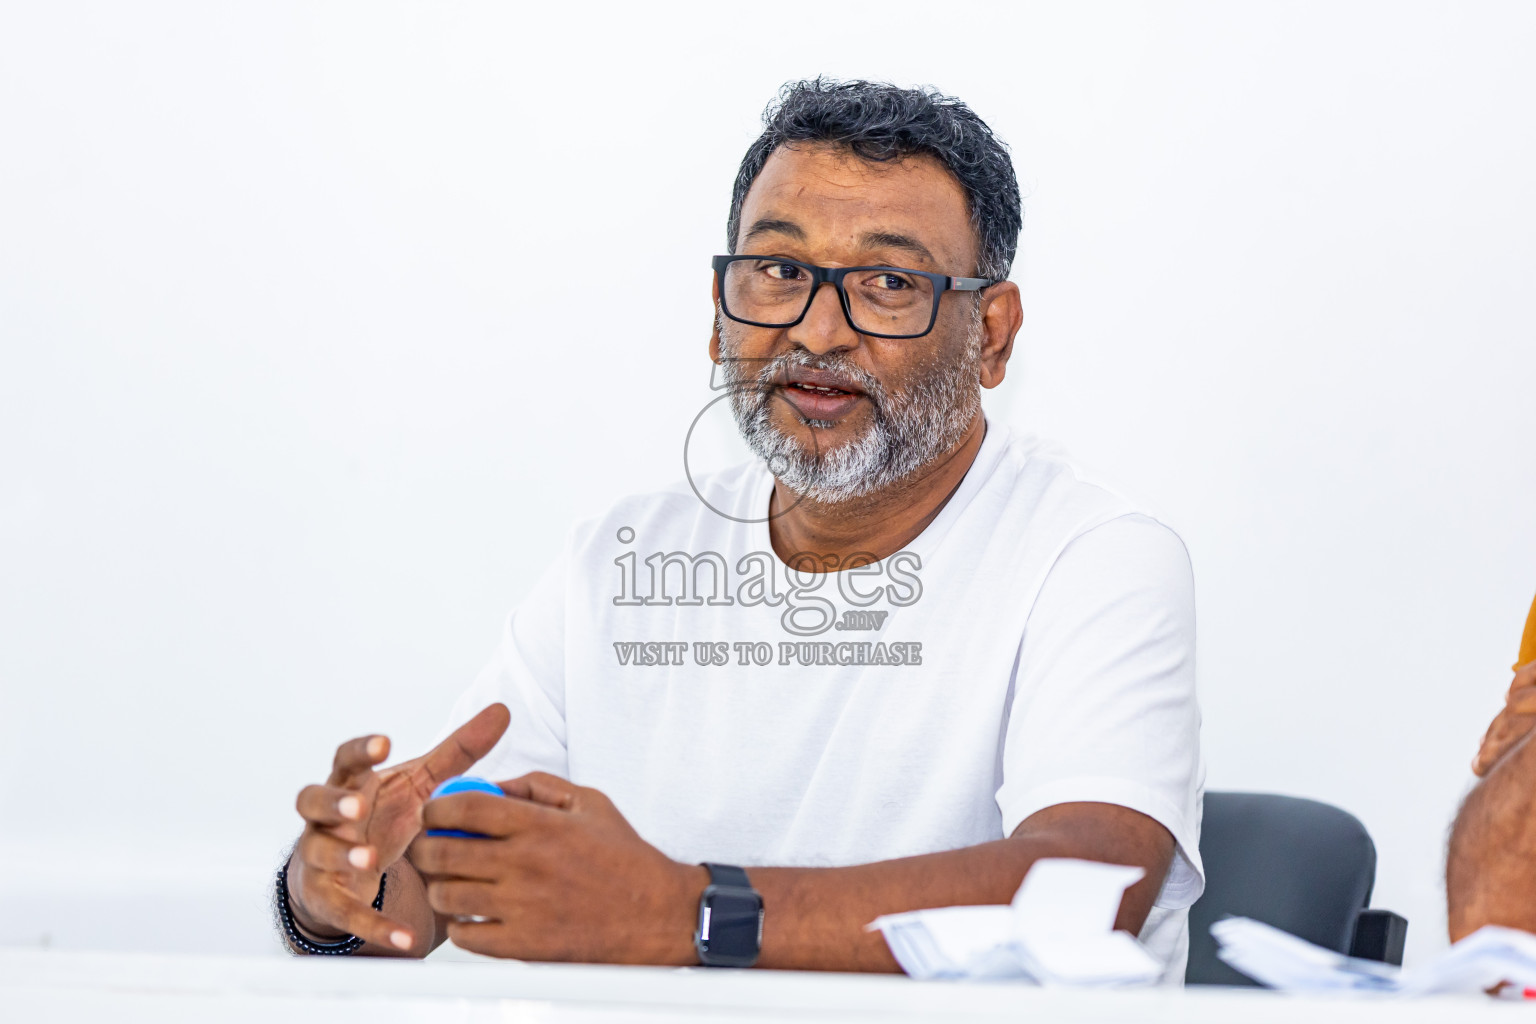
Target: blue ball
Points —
{"points": [[463, 784]]}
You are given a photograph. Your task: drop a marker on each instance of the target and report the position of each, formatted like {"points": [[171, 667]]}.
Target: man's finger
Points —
{"points": [[1525, 678], [326, 852], [356, 758], [495, 816], [331, 805], [1487, 757], [458, 857], [462, 897], [1503, 735], [542, 788], [1508, 729], [477, 936], [340, 908], [371, 926], [468, 744]]}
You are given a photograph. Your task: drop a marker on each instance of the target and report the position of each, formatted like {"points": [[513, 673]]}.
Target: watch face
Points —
{"points": [[730, 925]]}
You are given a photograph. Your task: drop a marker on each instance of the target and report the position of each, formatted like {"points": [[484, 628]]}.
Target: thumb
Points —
{"points": [[468, 744]]}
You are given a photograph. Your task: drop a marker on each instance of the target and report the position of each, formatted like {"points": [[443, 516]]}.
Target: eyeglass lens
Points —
{"points": [[775, 294]]}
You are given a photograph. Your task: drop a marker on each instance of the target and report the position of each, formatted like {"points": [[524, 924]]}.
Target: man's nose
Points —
{"points": [[824, 327]]}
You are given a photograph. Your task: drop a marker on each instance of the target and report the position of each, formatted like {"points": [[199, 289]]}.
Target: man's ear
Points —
{"points": [[714, 321], [1001, 317]]}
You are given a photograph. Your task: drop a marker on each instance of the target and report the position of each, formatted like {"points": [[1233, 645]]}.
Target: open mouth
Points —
{"points": [[821, 394], [820, 389]]}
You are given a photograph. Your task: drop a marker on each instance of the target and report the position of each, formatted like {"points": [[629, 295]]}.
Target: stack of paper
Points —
{"points": [[1483, 960], [1057, 931], [1281, 960]]}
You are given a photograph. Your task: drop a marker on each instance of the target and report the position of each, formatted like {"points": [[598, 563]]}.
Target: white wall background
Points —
{"points": [[307, 356]]}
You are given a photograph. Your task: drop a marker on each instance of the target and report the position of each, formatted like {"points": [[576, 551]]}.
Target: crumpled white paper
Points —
{"points": [[1059, 930], [1489, 956]]}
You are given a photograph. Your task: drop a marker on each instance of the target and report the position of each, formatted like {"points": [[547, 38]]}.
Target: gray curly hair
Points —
{"points": [[882, 122]]}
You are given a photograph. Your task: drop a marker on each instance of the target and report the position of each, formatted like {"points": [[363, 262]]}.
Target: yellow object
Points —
{"points": [[1528, 642]]}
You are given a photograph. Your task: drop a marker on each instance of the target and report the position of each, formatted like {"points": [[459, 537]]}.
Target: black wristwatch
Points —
{"points": [[730, 931]]}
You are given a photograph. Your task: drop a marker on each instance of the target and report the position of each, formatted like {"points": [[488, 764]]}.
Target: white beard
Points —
{"points": [[907, 429]]}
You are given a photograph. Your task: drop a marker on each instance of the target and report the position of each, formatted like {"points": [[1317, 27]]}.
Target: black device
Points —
{"points": [[730, 929]]}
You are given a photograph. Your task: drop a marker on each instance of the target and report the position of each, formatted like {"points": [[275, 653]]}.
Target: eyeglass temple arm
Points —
{"points": [[969, 284]]}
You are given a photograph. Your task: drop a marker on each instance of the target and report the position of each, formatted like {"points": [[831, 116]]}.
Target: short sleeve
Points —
{"points": [[527, 674], [1104, 706]]}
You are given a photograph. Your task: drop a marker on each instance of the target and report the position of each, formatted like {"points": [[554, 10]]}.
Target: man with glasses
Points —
{"points": [[886, 666]]}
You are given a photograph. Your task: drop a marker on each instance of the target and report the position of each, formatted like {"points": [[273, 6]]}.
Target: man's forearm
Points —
{"points": [[562, 876], [814, 918], [1490, 873]]}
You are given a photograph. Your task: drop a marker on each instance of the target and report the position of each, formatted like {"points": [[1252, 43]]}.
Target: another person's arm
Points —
{"points": [[1490, 874]]}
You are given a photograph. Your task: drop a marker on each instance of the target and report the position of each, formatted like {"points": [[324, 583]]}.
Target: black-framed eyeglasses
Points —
{"points": [[882, 302]]}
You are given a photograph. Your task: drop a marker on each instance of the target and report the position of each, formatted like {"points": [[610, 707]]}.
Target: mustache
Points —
{"points": [[775, 373]]}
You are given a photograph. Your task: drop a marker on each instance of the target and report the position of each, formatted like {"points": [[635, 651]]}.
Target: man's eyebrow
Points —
{"points": [[891, 240], [869, 240], [769, 225]]}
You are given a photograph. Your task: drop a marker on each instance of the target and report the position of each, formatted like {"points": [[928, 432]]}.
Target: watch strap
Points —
{"points": [[728, 874]]}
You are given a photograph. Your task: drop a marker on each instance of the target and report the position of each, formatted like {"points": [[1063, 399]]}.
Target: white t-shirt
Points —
{"points": [[1034, 646]]}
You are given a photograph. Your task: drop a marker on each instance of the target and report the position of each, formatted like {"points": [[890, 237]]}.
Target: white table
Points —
{"points": [[38, 985]]}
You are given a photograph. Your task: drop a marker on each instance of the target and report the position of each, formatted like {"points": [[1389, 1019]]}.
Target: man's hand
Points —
{"points": [[360, 822], [1512, 724], [562, 876]]}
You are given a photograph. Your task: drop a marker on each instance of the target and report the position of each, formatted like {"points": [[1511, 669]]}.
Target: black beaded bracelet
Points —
{"points": [[340, 947]]}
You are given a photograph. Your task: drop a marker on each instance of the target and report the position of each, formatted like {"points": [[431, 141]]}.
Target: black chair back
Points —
{"points": [[1300, 865]]}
